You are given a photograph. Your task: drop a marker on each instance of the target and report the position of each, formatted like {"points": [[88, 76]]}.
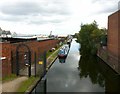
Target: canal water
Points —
{"points": [[78, 73]]}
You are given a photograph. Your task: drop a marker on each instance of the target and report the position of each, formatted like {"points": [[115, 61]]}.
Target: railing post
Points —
{"points": [[44, 63], [17, 63], [45, 80], [29, 69], [35, 62]]}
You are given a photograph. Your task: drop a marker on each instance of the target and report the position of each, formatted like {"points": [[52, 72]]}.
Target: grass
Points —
{"points": [[26, 84], [9, 78], [49, 53], [53, 55]]}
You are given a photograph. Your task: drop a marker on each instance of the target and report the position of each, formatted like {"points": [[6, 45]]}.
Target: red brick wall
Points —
{"points": [[6, 63], [35, 46], [38, 47], [113, 34], [119, 33], [114, 40], [119, 40]]}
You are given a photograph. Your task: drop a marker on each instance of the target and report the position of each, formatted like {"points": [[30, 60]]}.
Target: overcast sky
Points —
{"points": [[58, 16]]}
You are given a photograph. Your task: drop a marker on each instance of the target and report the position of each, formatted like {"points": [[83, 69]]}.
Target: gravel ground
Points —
{"points": [[13, 85]]}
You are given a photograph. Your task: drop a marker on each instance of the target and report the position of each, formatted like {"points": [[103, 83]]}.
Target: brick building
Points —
{"points": [[10, 45], [113, 44], [4, 33], [111, 55], [113, 34]]}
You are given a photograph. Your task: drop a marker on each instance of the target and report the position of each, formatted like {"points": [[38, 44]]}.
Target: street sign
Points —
{"points": [[40, 62]]}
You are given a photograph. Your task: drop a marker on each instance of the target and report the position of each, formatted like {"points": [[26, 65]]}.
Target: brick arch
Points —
{"points": [[24, 45], [17, 58]]}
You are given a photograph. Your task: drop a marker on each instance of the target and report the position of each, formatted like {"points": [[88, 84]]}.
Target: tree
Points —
{"points": [[89, 37]]}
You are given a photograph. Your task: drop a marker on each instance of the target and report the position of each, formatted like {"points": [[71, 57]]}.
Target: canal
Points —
{"points": [[78, 73]]}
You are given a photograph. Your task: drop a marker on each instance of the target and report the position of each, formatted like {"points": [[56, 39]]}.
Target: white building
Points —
{"points": [[5, 34]]}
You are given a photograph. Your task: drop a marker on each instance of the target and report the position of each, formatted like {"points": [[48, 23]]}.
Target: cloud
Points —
{"points": [[30, 8], [105, 6], [119, 5], [104, 1], [20, 9], [12, 18], [46, 20], [109, 9], [33, 12], [60, 16], [98, 1]]}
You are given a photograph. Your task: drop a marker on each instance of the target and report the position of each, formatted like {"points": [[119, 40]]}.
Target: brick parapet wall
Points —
{"points": [[110, 59]]}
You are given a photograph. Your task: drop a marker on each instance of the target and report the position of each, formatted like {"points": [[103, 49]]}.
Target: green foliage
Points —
{"points": [[9, 78], [26, 84], [89, 37], [53, 55]]}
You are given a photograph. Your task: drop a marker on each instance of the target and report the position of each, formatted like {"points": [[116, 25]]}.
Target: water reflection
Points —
{"points": [[62, 60], [89, 67], [99, 73]]}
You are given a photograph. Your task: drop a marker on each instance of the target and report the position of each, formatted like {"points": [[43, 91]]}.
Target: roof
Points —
{"points": [[14, 40], [114, 13], [6, 32]]}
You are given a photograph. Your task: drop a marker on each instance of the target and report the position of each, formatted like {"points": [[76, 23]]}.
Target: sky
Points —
{"points": [[62, 17]]}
